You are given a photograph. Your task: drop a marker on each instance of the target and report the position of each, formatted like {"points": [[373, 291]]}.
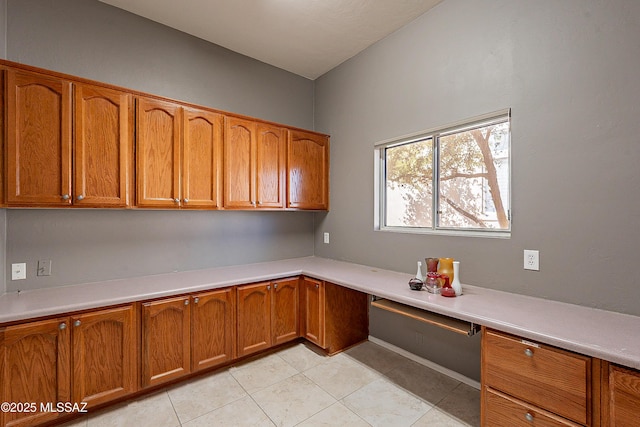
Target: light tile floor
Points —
{"points": [[367, 385]]}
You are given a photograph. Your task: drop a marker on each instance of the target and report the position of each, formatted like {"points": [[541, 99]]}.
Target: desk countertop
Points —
{"points": [[598, 333]]}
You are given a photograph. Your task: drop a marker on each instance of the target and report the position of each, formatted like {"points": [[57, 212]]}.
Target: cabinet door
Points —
{"points": [[284, 312], [254, 318], [239, 163], [308, 170], [202, 159], [38, 140], [34, 367], [270, 174], [166, 342], [103, 147], [158, 153], [104, 355], [312, 297], [213, 328]]}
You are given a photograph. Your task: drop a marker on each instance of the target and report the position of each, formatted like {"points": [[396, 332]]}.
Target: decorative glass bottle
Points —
{"points": [[455, 284], [445, 266]]}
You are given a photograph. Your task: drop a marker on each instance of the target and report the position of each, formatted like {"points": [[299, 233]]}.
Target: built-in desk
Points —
{"points": [[598, 333]]}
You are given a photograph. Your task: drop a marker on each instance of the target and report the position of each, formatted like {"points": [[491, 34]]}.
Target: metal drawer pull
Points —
{"points": [[196, 300], [76, 323], [528, 352], [63, 326], [528, 417]]}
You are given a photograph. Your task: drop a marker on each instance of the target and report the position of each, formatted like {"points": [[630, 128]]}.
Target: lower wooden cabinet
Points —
{"points": [[285, 324], [545, 379], [166, 342], [87, 358], [333, 317], [312, 308], [267, 315], [213, 328], [34, 367], [620, 397], [98, 356], [105, 355], [186, 334]]}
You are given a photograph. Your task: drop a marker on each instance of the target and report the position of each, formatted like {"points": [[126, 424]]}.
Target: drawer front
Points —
{"points": [[549, 378], [624, 395], [503, 411]]}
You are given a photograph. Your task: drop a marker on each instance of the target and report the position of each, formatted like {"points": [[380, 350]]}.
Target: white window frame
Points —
{"points": [[434, 133]]}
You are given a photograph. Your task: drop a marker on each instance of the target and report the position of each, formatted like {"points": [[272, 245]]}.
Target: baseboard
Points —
{"points": [[429, 364]]}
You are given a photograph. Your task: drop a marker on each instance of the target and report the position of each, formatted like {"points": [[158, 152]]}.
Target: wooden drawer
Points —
{"points": [[623, 405], [504, 411], [555, 380]]}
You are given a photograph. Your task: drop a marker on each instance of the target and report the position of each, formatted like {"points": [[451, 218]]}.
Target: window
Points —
{"points": [[454, 179]]}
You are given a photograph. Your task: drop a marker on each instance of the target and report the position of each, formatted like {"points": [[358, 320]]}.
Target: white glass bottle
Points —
{"points": [[456, 285], [419, 275]]}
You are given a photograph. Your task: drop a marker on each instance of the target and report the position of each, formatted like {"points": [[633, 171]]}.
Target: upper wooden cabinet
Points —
{"points": [[72, 142], [254, 164], [308, 170], [201, 159], [40, 145], [38, 142], [103, 150], [34, 367], [158, 153], [179, 156]]}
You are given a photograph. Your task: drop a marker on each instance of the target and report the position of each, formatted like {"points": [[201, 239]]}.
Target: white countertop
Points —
{"points": [[598, 333]]}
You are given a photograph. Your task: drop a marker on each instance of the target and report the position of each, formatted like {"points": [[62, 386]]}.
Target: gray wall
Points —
{"points": [[89, 39], [568, 70]]}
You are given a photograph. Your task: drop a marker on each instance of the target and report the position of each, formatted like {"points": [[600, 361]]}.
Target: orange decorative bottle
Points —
{"points": [[445, 266]]}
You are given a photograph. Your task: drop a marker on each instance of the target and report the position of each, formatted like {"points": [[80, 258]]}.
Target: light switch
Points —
{"points": [[44, 267]]}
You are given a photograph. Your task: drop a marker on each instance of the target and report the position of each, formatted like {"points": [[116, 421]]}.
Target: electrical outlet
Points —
{"points": [[326, 237], [531, 260], [19, 271]]}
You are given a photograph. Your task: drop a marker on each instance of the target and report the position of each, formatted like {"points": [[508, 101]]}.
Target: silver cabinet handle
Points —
{"points": [[196, 300], [528, 352], [80, 197], [268, 287], [259, 202], [65, 197], [317, 286], [176, 200], [62, 326], [528, 417], [76, 323], [186, 200], [186, 302]]}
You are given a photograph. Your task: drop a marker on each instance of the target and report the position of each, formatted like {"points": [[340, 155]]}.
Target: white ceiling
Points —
{"points": [[305, 37]]}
